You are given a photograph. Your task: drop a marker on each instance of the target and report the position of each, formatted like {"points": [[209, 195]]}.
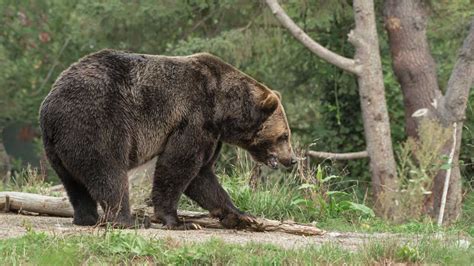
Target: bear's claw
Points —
{"points": [[184, 226], [238, 221], [249, 219]]}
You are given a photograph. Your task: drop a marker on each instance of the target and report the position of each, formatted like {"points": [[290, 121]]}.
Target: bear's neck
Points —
{"points": [[237, 117]]}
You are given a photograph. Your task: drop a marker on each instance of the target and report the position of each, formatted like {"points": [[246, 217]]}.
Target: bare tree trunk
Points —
{"points": [[415, 68], [374, 108], [367, 66], [406, 21]]}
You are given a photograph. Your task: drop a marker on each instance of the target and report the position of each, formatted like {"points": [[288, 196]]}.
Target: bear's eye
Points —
{"points": [[283, 137]]}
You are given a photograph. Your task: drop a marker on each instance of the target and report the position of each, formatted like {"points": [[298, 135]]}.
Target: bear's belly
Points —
{"points": [[146, 146], [146, 168]]}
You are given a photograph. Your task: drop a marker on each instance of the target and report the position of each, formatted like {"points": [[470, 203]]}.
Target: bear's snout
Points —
{"points": [[289, 162]]}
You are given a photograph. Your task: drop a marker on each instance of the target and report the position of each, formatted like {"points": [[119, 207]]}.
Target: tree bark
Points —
{"points": [[368, 68], [374, 108], [415, 68]]}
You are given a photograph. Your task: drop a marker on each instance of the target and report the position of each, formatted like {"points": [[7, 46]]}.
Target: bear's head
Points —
{"points": [[272, 142]]}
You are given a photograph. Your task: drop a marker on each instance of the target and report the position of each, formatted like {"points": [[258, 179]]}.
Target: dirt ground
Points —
{"points": [[13, 225]]}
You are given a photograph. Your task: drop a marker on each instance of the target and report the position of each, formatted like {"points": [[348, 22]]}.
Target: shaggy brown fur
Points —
{"points": [[113, 111]]}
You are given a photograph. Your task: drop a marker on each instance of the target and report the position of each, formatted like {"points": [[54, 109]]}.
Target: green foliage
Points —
{"points": [[331, 203]]}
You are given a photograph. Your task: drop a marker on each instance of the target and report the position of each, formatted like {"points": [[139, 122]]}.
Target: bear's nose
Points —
{"points": [[294, 160]]}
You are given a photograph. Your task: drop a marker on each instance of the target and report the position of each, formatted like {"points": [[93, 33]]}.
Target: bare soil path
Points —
{"points": [[13, 225]]}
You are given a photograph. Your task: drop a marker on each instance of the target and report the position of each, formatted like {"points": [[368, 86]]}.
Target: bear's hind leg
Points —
{"points": [[85, 207], [209, 194], [110, 189]]}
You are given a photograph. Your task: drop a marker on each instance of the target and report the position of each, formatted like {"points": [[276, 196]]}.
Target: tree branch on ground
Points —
{"points": [[338, 156]]}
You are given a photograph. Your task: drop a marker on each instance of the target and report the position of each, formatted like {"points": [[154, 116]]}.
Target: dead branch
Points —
{"points": [[263, 225], [326, 54], [460, 81], [447, 178], [60, 206], [338, 156]]}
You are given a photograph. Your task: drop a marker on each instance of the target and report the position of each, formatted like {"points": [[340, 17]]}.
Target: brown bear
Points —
{"points": [[112, 111]]}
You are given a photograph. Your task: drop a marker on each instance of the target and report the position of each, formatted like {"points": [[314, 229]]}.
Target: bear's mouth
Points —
{"points": [[272, 162]]}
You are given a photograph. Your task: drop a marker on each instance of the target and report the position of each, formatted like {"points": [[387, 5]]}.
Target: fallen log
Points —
{"points": [[22, 201], [60, 206]]}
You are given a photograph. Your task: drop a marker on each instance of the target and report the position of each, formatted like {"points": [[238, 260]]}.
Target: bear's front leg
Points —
{"points": [[209, 194], [175, 168]]}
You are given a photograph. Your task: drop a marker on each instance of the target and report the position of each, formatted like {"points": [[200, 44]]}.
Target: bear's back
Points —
{"points": [[112, 97]]}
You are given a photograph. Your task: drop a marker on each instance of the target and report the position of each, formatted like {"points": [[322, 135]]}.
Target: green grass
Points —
{"points": [[115, 247]]}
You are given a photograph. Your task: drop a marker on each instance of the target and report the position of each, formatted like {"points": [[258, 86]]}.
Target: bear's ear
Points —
{"points": [[278, 94], [270, 103]]}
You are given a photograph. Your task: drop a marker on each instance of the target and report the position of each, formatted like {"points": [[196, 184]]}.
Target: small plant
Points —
{"points": [[330, 202], [408, 253], [418, 164]]}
